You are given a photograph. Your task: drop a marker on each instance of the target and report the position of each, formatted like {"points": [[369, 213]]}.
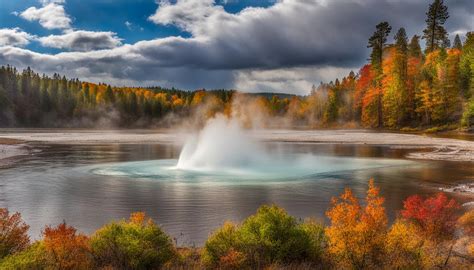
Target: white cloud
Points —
{"points": [[128, 25], [298, 80], [82, 40], [51, 16], [189, 15], [14, 37], [286, 47], [46, 2]]}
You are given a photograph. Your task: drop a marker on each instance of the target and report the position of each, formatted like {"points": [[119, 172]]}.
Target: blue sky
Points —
{"points": [[107, 15], [249, 45]]}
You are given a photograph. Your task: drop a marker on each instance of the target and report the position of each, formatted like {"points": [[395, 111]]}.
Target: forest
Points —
{"points": [[401, 87], [429, 233]]}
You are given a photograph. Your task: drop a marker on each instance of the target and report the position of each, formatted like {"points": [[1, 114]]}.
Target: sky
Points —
{"points": [[249, 45]]}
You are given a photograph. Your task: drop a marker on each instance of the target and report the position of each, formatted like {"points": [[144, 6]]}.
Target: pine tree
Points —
{"points": [[435, 33], [401, 40], [414, 48], [377, 42], [109, 95], [457, 43]]}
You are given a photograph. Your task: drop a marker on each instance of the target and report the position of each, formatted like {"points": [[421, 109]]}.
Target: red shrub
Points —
{"points": [[13, 233], [435, 216]]}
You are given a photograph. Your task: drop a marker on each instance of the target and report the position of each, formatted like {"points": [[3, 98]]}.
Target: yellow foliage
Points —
{"points": [[467, 222], [403, 245], [356, 235]]}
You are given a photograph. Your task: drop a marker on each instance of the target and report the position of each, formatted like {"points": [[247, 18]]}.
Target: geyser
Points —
{"points": [[221, 145], [224, 153]]}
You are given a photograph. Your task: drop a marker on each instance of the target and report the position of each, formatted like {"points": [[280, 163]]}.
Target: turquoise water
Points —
{"points": [[291, 168]]}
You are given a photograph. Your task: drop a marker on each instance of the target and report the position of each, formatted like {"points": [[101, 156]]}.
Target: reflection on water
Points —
{"points": [[53, 186]]}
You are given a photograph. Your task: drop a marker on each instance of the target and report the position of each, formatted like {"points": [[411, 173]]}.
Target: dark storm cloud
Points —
{"points": [[224, 49]]}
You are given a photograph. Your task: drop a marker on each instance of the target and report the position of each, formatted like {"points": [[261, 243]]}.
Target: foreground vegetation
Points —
{"points": [[427, 234], [402, 87]]}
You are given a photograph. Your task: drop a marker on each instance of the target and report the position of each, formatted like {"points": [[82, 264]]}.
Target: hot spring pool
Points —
{"points": [[291, 168]]}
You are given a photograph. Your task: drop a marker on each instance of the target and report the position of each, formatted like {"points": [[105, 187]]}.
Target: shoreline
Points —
{"points": [[9, 153], [448, 149]]}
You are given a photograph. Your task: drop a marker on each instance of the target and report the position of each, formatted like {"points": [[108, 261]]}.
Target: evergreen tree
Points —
{"points": [[377, 42], [109, 95], [401, 41], [435, 33], [457, 43], [414, 48]]}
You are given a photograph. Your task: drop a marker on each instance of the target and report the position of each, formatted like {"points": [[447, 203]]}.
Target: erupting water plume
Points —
{"points": [[222, 144], [225, 153]]}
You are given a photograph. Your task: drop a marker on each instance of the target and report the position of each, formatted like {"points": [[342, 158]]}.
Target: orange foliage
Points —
{"points": [[66, 249], [370, 107], [13, 233], [356, 234], [363, 83]]}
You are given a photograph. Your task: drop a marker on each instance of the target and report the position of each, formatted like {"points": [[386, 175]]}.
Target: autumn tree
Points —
{"points": [[435, 34], [395, 67], [466, 67], [439, 95], [356, 235], [13, 233], [414, 64], [65, 248]]}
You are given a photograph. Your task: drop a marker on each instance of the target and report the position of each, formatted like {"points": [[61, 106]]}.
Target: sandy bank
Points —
{"points": [[8, 152], [444, 148]]}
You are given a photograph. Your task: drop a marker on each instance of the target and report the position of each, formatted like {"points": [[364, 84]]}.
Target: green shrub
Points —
{"points": [[315, 232], [270, 236], [221, 243], [136, 244], [31, 258]]}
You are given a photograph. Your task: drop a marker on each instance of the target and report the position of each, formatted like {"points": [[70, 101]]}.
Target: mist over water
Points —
{"points": [[225, 153], [222, 145]]}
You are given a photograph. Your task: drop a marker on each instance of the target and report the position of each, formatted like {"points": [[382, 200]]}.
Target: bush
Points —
{"points": [[221, 243], [136, 244], [32, 257], [357, 234], [65, 248], [404, 246], [13, 233], [467, 222], [435, 216], [270, 236], [317, 238]]}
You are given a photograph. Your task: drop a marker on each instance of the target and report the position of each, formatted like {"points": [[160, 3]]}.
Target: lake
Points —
{"points": [[67, 182]]}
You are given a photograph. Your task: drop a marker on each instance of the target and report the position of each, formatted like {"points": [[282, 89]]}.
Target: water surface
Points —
{"points": [[62, 183]]}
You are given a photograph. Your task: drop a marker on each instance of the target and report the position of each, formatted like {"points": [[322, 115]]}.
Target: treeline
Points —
{"points": [[428, 234], [30, 100], [402, 87]]}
